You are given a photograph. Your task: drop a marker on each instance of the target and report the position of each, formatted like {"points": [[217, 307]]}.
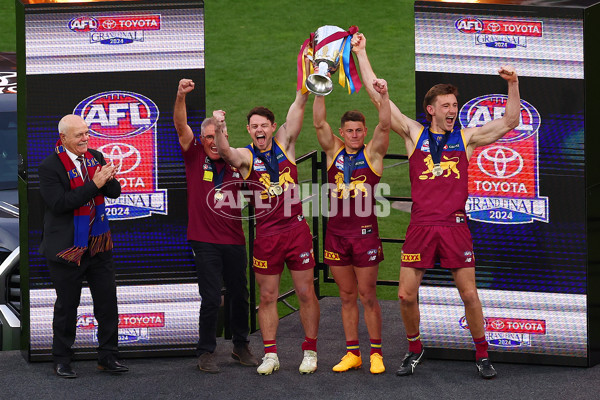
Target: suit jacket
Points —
{"points": [[61, 201]]}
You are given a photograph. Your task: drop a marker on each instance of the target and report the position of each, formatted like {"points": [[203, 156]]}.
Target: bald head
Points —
{"points": [[68, 121], [74, 134]]}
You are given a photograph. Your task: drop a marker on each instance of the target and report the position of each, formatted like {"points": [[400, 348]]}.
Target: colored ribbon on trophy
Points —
{"points": [[302, 72], [348, 70], [348, 73]]}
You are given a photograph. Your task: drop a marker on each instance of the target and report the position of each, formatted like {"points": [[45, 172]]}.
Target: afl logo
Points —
{"points": [[118, 114], [83, 24], [481, 110], [462, 322], [468, 25], [339, 163]]}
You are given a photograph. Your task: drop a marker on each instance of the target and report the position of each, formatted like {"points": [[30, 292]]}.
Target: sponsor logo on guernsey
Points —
{"points": [[339, 162], [259, 165], [330, 255], [256, 263], [504, 179], [411, 257], [510, 332], [123, 127], [500, 33], [117, 29]]}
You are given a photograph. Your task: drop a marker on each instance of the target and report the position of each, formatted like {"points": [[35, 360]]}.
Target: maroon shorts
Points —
{"points": [[364, 251], [425, 244], [293, 247]]}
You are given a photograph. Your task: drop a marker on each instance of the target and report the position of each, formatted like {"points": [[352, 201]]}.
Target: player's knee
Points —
{"points": [[470, 297], [348, 296], [368, 301], [406, 298], [267, 297], [305, 293]]}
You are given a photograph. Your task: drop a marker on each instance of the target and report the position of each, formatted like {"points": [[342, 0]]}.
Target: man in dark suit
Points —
{"points": [[77, 243]]}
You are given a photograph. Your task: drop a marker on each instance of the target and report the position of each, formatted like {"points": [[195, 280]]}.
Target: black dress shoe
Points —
{"points": [[111, 365], [64, 371]]}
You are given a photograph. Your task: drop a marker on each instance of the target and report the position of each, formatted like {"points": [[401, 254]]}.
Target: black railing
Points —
{"points": [[326, 277], [316, 165]]}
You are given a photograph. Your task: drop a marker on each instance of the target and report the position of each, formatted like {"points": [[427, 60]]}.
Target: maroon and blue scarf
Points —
{"points": [[98, 235]]}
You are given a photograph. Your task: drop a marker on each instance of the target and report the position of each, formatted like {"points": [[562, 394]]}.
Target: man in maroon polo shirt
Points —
{"points": [[215, 235]]}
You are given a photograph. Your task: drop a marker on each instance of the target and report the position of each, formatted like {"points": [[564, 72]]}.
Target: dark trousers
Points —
{"points": [[68, 279], [218, 265]]}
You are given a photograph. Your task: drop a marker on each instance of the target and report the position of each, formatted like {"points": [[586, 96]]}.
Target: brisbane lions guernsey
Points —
{"points": [[439, 200], [352, 202], [274, 213]]}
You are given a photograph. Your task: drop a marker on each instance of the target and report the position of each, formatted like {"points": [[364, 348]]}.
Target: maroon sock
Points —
{"points": [[309, 344], [481, 347], [414, 343], [376, 346], [270, 346], [353, 347]]}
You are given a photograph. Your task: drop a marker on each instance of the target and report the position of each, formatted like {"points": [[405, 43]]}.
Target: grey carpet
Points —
{"points": [[178, 377]]}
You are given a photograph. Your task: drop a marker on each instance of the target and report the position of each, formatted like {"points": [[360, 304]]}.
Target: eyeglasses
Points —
{"points": [[209, 137]]}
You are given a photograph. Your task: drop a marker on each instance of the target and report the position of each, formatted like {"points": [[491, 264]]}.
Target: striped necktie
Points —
{"points": [[86, 178]]}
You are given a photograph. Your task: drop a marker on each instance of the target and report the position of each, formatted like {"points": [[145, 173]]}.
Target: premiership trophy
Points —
{"points": [[327, 58]]}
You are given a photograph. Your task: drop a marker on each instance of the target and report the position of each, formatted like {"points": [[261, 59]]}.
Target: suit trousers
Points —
{"points": [[99, 271], [218, 265]]}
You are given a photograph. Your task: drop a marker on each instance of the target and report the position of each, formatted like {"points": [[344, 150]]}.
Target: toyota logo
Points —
{"points": [[497, 324], [109, 24], [123, 156], [500, 162], [493, 27]]}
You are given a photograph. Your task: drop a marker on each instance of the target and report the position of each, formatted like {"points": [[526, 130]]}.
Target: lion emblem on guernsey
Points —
{"points": [[285, 180], [355, 187], [448, 165]]}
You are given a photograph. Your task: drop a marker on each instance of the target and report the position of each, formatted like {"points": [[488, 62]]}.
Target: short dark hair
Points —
{"points": [[353, 115], [437, 90], [262, 111]]}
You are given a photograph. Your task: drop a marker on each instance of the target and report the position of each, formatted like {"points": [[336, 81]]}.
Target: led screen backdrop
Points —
{"points": [[118, 66], [527, 191]]}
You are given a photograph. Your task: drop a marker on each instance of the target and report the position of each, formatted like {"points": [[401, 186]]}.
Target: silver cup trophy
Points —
{"points": [[327, 58]]}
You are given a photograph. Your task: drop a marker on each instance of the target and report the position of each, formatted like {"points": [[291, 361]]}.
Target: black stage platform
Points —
{"points": [[178, 377]]}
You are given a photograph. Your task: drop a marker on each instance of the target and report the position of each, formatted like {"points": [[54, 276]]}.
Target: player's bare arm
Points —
{"points": [[288, 133], [185, 133], [239, 158], [328, 141], [378, 145], [497, 128], [407, 128]]}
